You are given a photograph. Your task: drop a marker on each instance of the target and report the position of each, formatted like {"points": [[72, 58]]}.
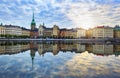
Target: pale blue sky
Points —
{"points": [[64, 13]]}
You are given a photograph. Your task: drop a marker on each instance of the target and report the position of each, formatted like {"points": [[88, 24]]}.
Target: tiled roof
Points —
{"points": [[12, 26]]}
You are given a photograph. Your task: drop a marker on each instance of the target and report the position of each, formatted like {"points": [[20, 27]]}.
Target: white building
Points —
{"points": [[13, 30], [102, 32], [81, 33], [41, 30], [2, 30]]}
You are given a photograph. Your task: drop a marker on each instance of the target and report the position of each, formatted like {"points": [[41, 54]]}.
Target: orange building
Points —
{"points": [[63, 33]]}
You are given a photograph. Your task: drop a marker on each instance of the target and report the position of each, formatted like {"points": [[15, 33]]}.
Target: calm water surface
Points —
{"points": [[59, 60]]}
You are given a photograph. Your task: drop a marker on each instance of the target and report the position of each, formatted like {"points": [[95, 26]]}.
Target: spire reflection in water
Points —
{"points": [[59, 60]]}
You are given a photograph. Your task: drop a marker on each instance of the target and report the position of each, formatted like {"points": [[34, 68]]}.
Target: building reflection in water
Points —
{"points": [[100, 49], [55, 48], [77, 64]]}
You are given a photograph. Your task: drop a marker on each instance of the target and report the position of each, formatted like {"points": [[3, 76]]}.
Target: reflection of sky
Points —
{"points": [[64, 65]]}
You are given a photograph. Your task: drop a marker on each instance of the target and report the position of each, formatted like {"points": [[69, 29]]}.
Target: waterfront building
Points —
{"points": [[117, 31], [89, 33], [102, 32], [56, 31], [62, 33], [41, 30], [72, 33], [2, 30], [81, 33], [68, 33], [48, 32], [25, 32], [13, 30]]}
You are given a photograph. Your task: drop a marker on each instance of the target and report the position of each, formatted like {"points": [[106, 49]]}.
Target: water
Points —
{"points": [[59, 60]]}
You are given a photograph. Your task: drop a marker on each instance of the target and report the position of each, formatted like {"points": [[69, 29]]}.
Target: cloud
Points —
{"points": [[65, 13]]}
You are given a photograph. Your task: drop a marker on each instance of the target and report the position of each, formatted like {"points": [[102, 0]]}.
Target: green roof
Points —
{"points": [[33, 21]]}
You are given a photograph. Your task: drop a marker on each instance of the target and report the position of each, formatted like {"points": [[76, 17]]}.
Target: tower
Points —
{"points": [[33, 24]]}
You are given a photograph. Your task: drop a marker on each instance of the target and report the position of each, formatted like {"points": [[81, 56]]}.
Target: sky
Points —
{"points": [[64, 13]]}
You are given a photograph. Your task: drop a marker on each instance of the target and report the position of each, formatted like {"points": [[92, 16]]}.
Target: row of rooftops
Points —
{"points": [[14, 26], [117, 27]]}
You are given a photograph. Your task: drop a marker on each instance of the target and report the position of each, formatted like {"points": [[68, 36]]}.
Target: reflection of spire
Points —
{"points": [[32, 62], [32, 54]]}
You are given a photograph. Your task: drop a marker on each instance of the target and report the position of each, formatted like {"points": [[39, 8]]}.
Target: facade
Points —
{"points": [[117, 31], [41, 30], [72, 33], [102, 32], [89, 33], [48, 32], [25, 32], [56, 31], [63, 33], [2, 30], [81, 33], [13, 30], [34, 33]]}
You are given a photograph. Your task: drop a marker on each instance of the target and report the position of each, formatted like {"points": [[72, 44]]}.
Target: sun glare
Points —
{"points": [[85, 22]]}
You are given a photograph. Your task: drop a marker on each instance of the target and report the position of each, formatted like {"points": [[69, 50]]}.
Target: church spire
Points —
{"points": [[43, 24], [33, 24], [33, 17]]}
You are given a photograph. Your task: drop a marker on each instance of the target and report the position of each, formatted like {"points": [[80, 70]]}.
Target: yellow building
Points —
{"points": [[48, 32], [89, 33], [72, 33], [25, 32], [56, 31], [117, 31], [2, 30]]}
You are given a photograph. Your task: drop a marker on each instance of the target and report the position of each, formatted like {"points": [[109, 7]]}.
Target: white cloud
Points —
{"points": [[81, 13]]}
